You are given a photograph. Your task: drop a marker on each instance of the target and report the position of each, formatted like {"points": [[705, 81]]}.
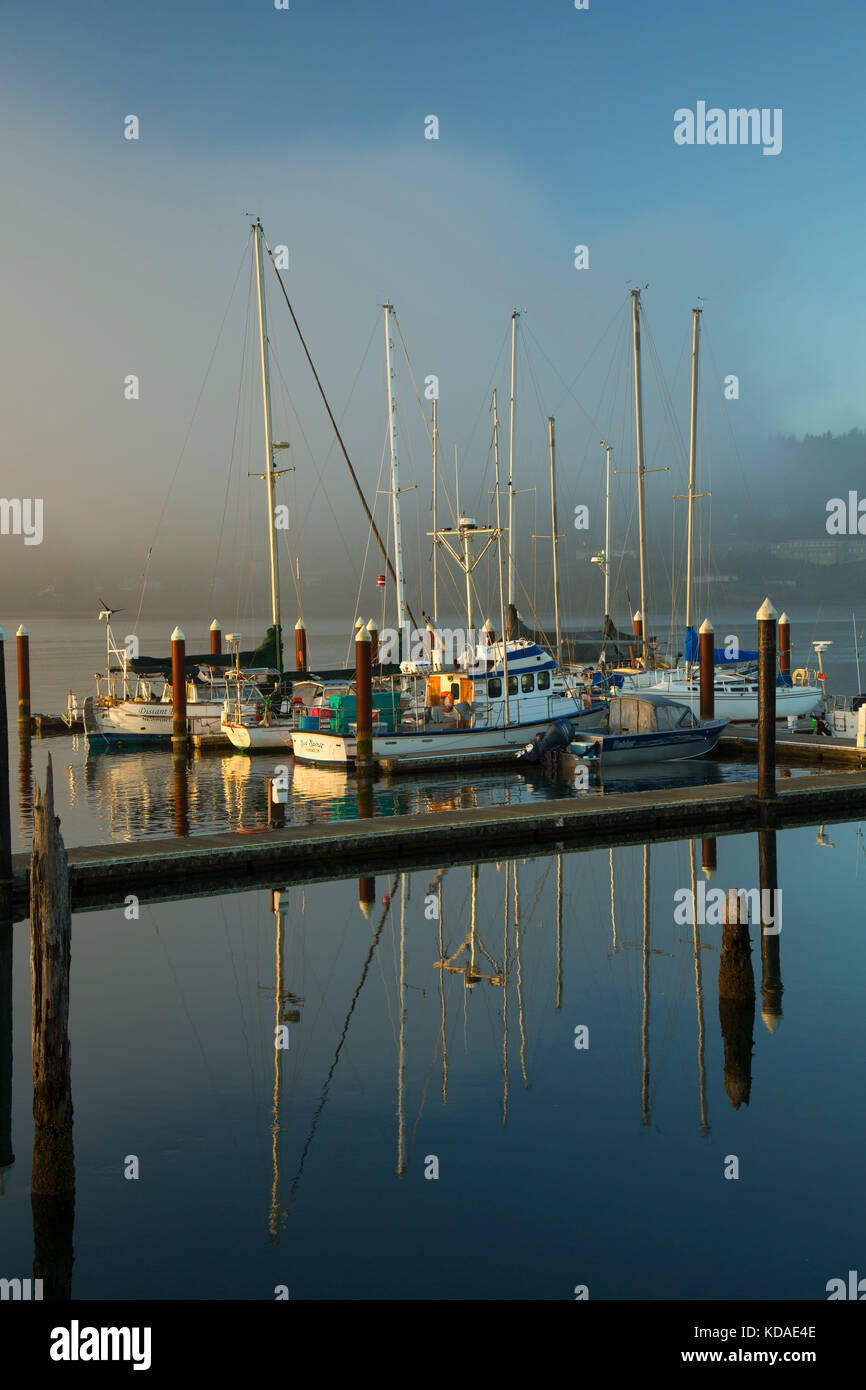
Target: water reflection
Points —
{"points": [[356, 1030]]}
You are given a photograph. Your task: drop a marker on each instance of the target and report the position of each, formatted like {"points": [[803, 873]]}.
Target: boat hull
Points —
{"points": [[791, 701], [668, 746], [254, 738]]}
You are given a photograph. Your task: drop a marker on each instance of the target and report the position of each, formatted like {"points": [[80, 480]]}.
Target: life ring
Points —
{"points": [[799, 676], [447, 703]]}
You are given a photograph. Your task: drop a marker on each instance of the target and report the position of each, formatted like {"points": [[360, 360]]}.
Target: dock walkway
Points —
{"points": [[203, 865]]}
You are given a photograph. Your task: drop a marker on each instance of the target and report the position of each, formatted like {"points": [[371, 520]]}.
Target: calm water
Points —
{"points": [[133, 795], [413, 1037]]}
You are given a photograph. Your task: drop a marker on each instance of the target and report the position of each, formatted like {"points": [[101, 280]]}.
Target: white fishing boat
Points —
{"points": [[464, 716]]}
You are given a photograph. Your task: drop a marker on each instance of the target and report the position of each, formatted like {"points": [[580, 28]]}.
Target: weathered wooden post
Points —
{"points": [[52, 1181], [706, 657], [300, 645], [216, 639], [771, 969], [7, 1157], [178, 688], [5, 812], [737, 999], [23, 637], [785, 645], [708, 855], [372, 628], [637, 624], [364, 699], [766, 616]]}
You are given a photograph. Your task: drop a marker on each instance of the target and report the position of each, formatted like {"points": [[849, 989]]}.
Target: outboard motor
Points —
{"points": [[557, 735]]}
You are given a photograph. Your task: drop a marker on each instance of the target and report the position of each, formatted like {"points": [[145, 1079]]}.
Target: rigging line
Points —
{"points": [[569, 389], [349, 652], [486, 397], [194, 413], [241, 380], [353, 474], [374, 943], [412, 377], [287, 397]]}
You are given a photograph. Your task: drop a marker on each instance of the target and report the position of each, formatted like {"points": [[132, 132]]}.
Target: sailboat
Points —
{"points": [[499, 696], [735, 690], [134, 707]]}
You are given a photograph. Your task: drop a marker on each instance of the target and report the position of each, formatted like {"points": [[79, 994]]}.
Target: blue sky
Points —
{"points": [[556, 128]]}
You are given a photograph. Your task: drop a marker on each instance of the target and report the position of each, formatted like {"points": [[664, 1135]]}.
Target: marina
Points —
{"points": [[432, 707]]}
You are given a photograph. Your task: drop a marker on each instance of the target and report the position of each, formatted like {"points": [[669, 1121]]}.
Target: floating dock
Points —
{"points": [[202, 865], [801, 747]]}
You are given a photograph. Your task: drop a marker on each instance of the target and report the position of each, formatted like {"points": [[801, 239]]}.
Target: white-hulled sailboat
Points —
{"points": [[735, 690]]}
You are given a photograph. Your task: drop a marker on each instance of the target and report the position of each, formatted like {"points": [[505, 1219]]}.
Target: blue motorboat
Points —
{"points": [[646, 728]]}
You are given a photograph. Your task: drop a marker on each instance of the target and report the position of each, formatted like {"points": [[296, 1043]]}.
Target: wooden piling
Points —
{"points": [[364, 699], [373, 630], [23, 638], [766, 616], [5, 813], [706, 657], [178, 687], [737, 999], [784, 645], [771, 969], [300, 645], [637, 624], [50, 944], [216, 639]]}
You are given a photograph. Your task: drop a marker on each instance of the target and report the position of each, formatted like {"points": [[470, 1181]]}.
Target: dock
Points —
{"points": [[801, 747], [203, 865]]}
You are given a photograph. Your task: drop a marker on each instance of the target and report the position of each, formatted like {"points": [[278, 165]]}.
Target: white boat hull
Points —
{"points": [[252, 738], [440, 748], [791, 700]]}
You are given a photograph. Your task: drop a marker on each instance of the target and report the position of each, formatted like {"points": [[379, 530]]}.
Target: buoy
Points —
{"points": [[386, 899]]}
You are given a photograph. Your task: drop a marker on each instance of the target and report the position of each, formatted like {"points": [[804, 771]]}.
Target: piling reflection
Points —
{"points": [[737, 999], [771, 966], [25, 780]]}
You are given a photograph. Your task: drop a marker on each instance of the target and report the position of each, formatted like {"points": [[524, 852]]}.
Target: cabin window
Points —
{"points": [[512, 685], [544, 680], [455, 690], [494, 688], [527, 684]]}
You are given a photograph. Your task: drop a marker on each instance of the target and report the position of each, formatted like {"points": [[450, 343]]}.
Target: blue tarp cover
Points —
{"points": [[720, 656]]}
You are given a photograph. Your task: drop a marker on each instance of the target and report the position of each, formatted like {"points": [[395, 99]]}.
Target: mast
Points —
{"points": [[638, 406], [553, 534], [270, 471], [502, 636], [693, 441], [395, 484], [435, 524], [514, 317], [607, 450]]}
